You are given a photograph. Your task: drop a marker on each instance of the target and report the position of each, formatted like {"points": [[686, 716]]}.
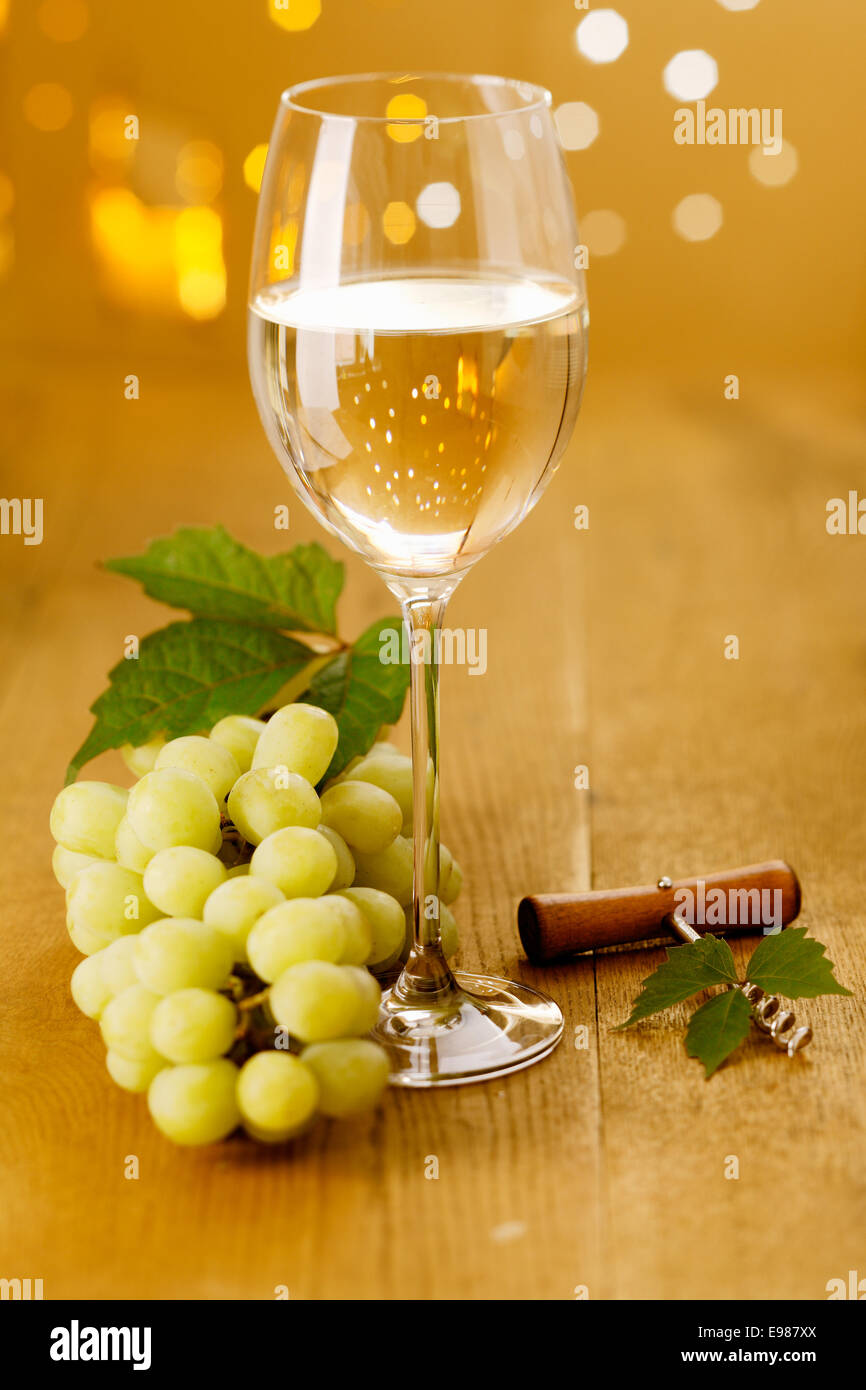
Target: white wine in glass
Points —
{"points": [[417, 348]]}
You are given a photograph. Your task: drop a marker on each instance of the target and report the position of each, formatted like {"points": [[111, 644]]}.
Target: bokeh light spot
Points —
{"points": [[64, 21], [738, 4], [48, 106], [254, 167], [405, 106], [199, 174], [201, 275], [691, 75], [398, 223], [603, 231], [108, 143], [577, 125], [7, 195], [602, 37], [438, 205], [294, 15], [774, 170], [697, 217]]}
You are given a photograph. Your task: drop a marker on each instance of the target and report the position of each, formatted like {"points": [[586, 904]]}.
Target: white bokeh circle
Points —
{"points": [[602, 36], [697, 217], [577, 125], [774, 170], [691, 74], [603, 231], [438, 205]]}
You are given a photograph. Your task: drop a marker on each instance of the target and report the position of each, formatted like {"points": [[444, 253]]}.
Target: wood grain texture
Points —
{"points": [[603, 1166]]}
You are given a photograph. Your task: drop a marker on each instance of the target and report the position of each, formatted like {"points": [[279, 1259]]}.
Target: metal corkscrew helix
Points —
{"points": [[771, 1018]]}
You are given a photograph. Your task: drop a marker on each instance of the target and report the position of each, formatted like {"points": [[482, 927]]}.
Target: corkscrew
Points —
{"points": [[771, 1018], [555, 926]]}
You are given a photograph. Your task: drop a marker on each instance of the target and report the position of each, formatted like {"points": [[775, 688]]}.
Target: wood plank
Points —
{"points": [[603, 1166]]}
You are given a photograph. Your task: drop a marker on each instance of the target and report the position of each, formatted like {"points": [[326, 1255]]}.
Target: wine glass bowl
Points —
{"points": [[417, 348]]}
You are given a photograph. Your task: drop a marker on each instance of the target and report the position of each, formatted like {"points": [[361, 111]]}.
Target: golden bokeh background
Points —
{"points": [[98, 231]]}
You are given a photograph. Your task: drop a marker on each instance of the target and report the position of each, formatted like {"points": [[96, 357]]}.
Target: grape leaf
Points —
{"points": [[187, 676], [686, 970], [793, 964], [717, 1028], [361, 692], [208, 572]]}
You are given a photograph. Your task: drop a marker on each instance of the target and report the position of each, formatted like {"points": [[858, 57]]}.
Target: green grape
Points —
{"points": [[324, 928], [450, 882], [117, 963], [359, 932], [299, 861], [204, 758], [142, 759], [368, 818], [270, 799], [86, 815], [129, 850], [369, 1000], [89, 987], [132, 1076], [277, 1095], [67, 862], [180, 880], [193, 1025], [234, 908], [352, 1073], [302, 738], [105, 901], [238, 871], [239, 734], [316, 1000], [390, 871], [195, 1103], [447, 930], [125, 1024], [173, 807], [386, 767], [345, 863], [88, 942], [383, 749], [390, 771], [180, 953], [387, 923]]}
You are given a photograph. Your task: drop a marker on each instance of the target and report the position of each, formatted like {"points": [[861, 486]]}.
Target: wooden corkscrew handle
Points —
{"points": [[554, 926]]}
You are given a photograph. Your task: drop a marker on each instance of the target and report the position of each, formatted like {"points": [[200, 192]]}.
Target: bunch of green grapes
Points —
{"points": [[236, 914]]}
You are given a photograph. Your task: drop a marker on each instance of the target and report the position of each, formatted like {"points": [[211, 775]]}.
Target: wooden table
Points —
{"points": [[602, 1169]]}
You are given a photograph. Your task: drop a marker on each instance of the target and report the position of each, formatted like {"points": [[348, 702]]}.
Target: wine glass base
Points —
{"points": [[488, 1027]]}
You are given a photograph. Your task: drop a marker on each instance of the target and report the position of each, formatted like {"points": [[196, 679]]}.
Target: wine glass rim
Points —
{"points": [[539, 97]]}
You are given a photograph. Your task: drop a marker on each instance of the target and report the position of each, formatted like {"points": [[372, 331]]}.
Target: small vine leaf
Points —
{"points": [[208, 572], [186, 677], [717, 1028], [686, 971], [793, 964]]}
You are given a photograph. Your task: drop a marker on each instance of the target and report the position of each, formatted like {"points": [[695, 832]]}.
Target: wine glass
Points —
{"points": [[417, 350]]}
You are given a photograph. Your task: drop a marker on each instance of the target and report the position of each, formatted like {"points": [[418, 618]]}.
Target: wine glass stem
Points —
{"points": [[426, 975]]}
